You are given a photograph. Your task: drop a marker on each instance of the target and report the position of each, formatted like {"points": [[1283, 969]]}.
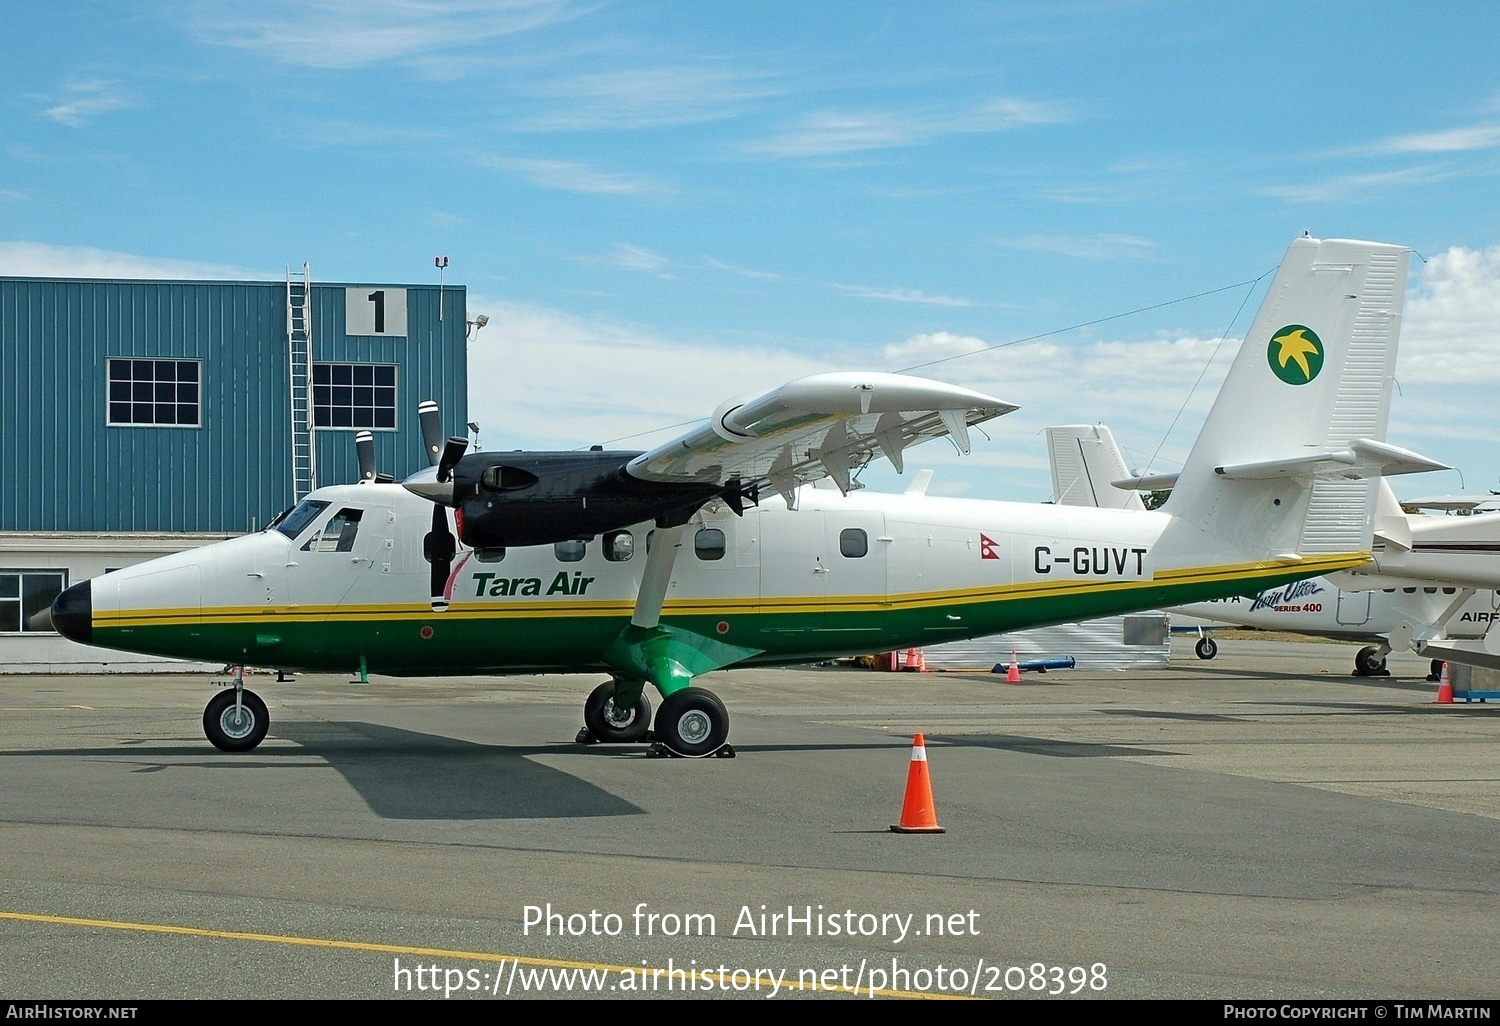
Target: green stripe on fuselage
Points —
{"points": [[509, 643]]}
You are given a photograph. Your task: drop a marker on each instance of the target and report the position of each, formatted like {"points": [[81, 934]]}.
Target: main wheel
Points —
{"points": [[1436, 670], [611, 724], [1206, 648], [1369, 662], [692, 722], [236, 730]]}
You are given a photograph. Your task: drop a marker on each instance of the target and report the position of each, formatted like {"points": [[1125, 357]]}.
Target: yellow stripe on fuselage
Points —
{"points": [[1249, 573]]}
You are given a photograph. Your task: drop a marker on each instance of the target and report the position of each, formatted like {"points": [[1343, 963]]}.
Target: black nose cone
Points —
{"points": [[73, 613]]}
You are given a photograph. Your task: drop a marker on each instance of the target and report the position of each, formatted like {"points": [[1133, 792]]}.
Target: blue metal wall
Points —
{"points": [[63, 469]]}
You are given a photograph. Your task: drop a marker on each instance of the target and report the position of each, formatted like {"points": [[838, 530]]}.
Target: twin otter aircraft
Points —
{"points": [[710, 551]]}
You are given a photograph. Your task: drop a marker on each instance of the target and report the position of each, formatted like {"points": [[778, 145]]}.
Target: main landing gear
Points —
{"points": [[1206, 648], [691, 723], [236, 720], [1370, 661]]}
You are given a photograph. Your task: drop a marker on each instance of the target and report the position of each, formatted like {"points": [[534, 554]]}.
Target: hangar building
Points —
{"points": [[144, 417]]}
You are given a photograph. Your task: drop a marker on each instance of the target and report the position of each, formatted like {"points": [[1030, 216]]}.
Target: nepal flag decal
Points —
{"points": [[987, 547]]}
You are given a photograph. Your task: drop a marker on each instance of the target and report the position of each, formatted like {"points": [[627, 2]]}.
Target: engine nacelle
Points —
{"points": [[538, 498]]}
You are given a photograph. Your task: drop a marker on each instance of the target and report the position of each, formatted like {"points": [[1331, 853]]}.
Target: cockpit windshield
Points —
{"points": [[297, 520]]}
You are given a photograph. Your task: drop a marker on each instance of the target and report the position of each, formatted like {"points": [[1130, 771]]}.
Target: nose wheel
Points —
{"points": [[236, 720]]}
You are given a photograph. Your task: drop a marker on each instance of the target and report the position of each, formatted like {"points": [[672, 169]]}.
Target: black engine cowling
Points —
{"points": [[537, 498]]}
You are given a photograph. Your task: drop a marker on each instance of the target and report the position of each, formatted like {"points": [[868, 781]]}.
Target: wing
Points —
{"points": [[826, 425]]}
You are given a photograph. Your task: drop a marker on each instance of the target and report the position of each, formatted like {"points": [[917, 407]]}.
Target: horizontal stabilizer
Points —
{"points": [[1147, 483], [1454, 503], [826, 425], [1364, 458]]}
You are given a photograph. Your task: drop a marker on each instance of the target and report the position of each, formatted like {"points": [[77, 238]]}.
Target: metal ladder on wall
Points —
{"points": [[299, 353]]}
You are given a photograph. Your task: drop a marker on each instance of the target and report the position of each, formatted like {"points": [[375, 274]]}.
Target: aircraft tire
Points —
{"points": [[608, 725], [692, 722], [1366, 664], [224, 733], [1436, 670], [1206, 648]]}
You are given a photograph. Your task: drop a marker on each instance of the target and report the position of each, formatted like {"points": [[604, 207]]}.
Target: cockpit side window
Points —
{"points": [[295, 522], [338, 534]]}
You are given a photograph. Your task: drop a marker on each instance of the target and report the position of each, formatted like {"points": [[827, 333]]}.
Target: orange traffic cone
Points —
{"points": [[1445, 688], [1013, 675], [918, 814], [914, 660]]}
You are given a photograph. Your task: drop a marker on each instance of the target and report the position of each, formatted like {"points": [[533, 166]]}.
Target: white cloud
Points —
{"points": [[571, 177], [1451, 327], [1345, 188], [351, 33], [1454, 140], [897, 294], [542, 378], [88, 100], [634, 258], [1087, 247], [647, 97], [40, 260], [829, 132]]}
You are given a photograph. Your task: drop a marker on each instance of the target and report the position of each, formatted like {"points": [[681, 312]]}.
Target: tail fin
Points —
{"points": [[1288, 462], [1085, 459]]}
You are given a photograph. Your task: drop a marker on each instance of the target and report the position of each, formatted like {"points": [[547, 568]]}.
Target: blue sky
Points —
{"points": [[662, 205]]}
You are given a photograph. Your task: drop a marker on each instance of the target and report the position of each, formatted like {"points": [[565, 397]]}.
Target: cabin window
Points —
{"points": [[338, 534], [489, 555], [619, 546], [354, 395], [24, 593], [295, 522], [853, 543], [1429, 591], [1409, 591], [1450, 591], [570, 551], [154, 392], [708, 543]]}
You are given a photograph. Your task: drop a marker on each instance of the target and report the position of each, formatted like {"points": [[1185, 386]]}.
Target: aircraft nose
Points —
{"points": [[73, 613]]}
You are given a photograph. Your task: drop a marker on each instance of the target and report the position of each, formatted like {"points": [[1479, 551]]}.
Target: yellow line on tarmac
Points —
{"points": [[403, 949]]}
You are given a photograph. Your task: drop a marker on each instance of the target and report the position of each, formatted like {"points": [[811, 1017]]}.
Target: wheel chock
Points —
{"points": [[585, 737], [659, 750]]}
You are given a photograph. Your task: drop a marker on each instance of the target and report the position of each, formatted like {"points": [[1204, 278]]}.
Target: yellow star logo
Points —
{"points": [[1295, 346]]}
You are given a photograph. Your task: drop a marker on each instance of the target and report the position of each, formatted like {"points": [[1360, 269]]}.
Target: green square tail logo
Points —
{"points": [[1295, 354]]}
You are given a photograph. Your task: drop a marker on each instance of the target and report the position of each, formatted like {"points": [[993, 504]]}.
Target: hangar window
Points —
{"points": [[708, 543], [155, 392], [24, 593], [354, 395]]}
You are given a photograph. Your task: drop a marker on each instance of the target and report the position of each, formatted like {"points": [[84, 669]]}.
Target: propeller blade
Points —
{"points": [[431, 420], [452, 453], [364, 448], [438, 548]]}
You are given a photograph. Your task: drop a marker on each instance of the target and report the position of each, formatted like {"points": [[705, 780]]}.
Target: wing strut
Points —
{"points": [[657, 576]]}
